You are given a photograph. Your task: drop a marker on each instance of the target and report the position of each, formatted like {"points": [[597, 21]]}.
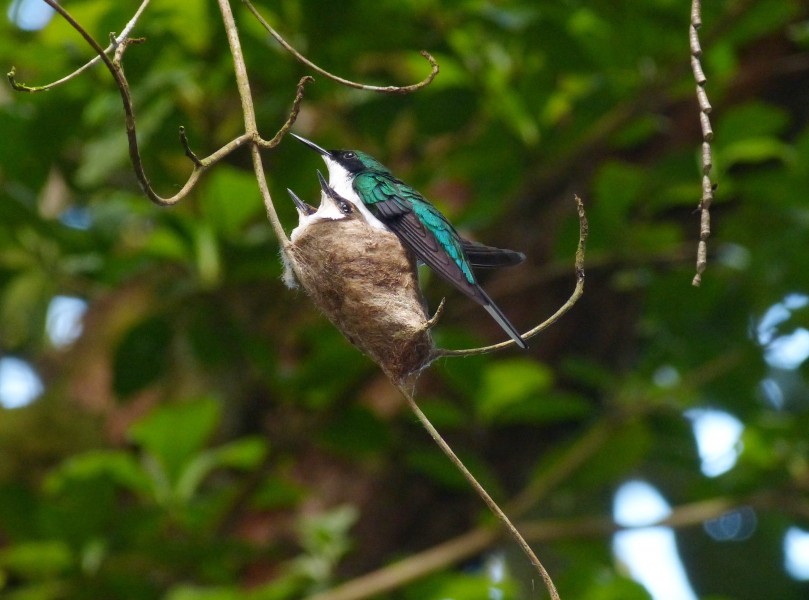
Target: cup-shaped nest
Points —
{"points": [[366, 283]]}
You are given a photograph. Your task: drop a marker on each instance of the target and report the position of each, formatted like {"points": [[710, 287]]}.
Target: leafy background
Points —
{"points": [[209, 436]]}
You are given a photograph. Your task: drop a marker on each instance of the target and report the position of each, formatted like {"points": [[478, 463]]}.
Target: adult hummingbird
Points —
{"points": [[390, 204]]}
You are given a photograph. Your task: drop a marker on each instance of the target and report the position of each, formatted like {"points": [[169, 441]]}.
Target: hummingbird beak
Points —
{"points": [[312, 145], [324, 185], [302, 206]]}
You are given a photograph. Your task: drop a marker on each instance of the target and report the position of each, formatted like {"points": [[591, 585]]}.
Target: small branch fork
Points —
{"points": [[707, 136], [251, 136]]}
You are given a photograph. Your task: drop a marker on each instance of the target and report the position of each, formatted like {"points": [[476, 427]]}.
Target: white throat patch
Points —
{"points": [[340, 182]]}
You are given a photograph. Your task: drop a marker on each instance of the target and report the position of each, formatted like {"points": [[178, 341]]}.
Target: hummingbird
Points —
{"points": [[388, 203], [363, 279]]}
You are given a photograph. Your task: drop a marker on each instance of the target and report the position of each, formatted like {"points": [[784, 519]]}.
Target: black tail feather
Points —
{"points": [[481, 256]]}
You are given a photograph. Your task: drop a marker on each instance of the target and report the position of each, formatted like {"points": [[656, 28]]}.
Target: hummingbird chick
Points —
{"points": [[363, 280], [389, 204]]}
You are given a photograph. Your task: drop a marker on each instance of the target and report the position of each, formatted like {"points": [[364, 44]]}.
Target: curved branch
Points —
{"points": [[115, 69], [114, 43], [114, 66], [390, 89], [293, 115], [574, 297]]}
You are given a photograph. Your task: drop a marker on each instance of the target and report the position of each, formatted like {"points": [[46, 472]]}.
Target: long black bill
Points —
{"points": [[312, 145], [304, 208]]}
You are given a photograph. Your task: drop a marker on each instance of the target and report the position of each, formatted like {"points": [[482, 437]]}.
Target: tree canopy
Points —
{"points": [[202, 433]]}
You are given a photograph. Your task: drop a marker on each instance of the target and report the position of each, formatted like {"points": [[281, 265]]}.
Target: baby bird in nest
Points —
{"points": [[363, 280]]}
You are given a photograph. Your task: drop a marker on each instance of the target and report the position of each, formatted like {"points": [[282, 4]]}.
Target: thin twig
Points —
{"points": [[481, 491], [293, 116], [415, 566], [685, 515], [115, 69], [251, 136], [478, 539], [574, 297], [396, 575], [114, 43], [243, 85], [389, 89], [707, 137]]}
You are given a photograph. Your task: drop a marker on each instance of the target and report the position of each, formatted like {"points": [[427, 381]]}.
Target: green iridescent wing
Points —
{"points": [[420, 227]]}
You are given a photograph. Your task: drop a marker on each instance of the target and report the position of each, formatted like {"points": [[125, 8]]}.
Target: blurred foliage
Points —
{"points": [[210, 437]]}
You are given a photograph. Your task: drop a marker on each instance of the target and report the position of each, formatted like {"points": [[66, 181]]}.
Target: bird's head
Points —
{"points": [[344, 165], [333, 207]]}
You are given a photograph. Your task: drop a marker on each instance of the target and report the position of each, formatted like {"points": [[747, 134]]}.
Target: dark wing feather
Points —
{"points": [[424, 244], [432, 238]]}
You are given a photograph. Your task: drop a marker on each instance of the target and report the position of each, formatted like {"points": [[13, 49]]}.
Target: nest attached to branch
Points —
{"points": [[366, 283]]}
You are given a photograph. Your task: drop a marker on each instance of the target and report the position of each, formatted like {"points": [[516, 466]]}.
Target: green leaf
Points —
{"points": [[44, 590], [625, 451], [24, 305], [230, 199], [245, 453], [189, 592], [173, 435], [37, 560], [753, 150], [749, 121], [463, 586], [118, 465], [507, 383], [356, 431], [187, 22]]}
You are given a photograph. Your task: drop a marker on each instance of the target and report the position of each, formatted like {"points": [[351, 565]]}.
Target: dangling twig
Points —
{"points": [[707, 137], [574, 297], [389, 89]]}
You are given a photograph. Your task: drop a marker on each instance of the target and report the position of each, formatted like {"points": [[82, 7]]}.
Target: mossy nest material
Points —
{"points": [[366, 283]]}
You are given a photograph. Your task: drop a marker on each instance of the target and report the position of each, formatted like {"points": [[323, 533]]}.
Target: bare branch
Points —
{"points": [[574, 297], [114, 67], [390, 89], [200, 165], [114, 42], [707, 136], [293, 115], [484, 495], [188, 152], [251, 129]]}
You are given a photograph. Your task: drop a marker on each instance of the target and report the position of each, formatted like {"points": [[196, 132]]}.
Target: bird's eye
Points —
{"points": [[345, 207], [349, 155]]}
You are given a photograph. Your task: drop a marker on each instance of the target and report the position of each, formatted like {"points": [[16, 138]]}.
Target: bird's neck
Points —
{"points": [[342, 182]]}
